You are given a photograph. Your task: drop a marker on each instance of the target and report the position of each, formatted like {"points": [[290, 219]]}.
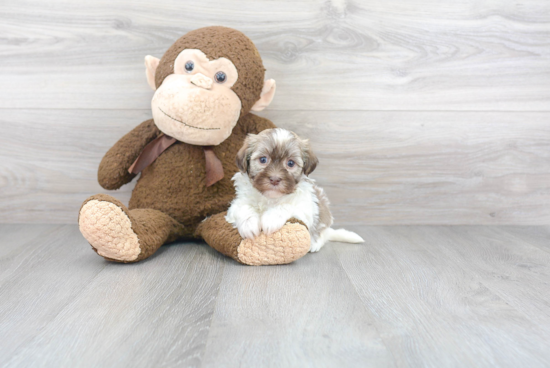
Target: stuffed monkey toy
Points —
{"points": [[205, 86]]}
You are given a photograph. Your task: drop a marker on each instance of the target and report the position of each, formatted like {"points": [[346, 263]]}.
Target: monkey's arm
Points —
{"points": [[113, 169]]}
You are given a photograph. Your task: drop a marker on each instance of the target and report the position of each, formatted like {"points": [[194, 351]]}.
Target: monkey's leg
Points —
{"points": [[123, 235], [288, 244]]}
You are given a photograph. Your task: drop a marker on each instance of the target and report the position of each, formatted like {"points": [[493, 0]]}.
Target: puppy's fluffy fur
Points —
{"points": [[272, 187]]}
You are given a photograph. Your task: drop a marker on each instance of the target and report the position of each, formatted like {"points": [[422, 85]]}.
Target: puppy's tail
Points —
{"points": [[342, 235]]}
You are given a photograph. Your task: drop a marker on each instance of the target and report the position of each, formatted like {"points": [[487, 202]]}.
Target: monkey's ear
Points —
{"points": [[268, 92], [151, 64], [242, 156], [310, 160]]}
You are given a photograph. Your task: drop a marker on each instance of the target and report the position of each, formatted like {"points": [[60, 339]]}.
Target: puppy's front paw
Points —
{"points": [[250, 227], [272, 222]]}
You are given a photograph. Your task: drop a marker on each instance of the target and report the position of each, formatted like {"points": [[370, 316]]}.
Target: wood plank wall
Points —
{"points": [[422, 112]]}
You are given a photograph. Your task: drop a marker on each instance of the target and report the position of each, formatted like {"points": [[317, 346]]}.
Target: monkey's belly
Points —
{"points": [[175, 184]]}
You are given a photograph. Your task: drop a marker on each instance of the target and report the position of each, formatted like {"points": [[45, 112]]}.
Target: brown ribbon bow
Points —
{"points": [[214, 168]]}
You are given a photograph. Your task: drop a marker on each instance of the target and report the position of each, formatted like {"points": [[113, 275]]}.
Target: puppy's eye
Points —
{"points": [[220, 77], [189, 66], [291, 163], [263, 160]]}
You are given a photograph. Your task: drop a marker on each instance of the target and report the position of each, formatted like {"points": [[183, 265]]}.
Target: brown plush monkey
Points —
{"points": [[206, 84]]}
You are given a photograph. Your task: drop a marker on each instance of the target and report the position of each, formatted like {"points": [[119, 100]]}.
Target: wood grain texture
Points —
{"points": [[430, 167], [16, 241], [377, 167], [442, 146], [411, 296], [508, 262], [39, 281], [49, 160], [325, 55], [538, 236], [433, 310], [306, 314], [65, 306]]}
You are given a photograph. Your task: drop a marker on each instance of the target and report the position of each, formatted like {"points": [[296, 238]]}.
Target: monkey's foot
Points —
{"points": [[104, 223], [284, 246], [123, 235]]}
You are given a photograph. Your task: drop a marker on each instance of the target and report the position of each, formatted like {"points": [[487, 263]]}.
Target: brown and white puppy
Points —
{"points": [[273, 186]]}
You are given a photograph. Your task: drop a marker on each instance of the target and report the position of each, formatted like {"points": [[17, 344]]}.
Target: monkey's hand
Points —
{"points": [[113, 169]]}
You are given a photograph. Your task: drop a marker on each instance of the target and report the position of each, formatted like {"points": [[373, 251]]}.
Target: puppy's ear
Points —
{"points": [[243, 157], [309, 158]]}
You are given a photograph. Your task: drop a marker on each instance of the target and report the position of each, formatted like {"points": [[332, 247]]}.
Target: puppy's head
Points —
{"points": [[275, 161]]}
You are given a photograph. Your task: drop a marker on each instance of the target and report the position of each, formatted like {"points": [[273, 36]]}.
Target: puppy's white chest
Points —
{"points": [[261, 207], [302, 204]]}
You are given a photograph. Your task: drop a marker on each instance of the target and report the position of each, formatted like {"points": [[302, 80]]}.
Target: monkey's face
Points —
{"points": [[196, 104], [204, 82]]}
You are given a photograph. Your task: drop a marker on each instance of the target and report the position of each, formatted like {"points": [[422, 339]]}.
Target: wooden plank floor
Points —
{"points": [[411, 296]]}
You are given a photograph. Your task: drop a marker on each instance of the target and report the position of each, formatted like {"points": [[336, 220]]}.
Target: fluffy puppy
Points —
{"points": [[273, 186]]}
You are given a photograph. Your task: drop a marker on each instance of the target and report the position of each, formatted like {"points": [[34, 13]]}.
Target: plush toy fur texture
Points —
{"points": [[218, 42], [291, 242], [127, 236], [175, 183], [171, 199]]}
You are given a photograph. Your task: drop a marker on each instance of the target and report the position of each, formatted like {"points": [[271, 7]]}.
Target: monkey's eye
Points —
{"points": [[220, 77], [263, 160], [189, 66], [290, 163]]}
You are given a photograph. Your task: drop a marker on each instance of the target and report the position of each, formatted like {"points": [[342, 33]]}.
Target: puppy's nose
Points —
{"points": [[201, 80], [274, 180]]}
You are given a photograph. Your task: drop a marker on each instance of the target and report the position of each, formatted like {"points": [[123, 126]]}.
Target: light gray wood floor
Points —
{"points": [[411, 296]]}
